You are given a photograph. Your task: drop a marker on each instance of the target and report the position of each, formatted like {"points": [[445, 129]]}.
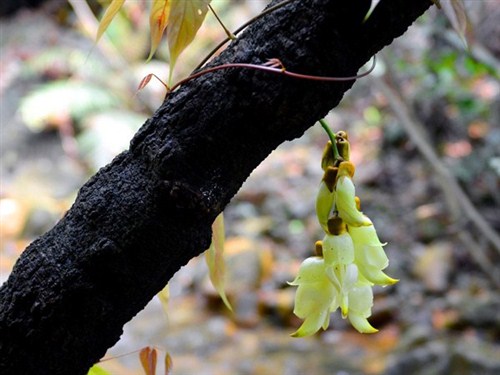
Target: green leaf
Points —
{"points": [[214, 257], [186, 17], [110, 13], [158, 20]]}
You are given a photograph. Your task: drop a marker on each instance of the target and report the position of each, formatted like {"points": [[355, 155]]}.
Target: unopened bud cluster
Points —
{"points": [[350, 258]]}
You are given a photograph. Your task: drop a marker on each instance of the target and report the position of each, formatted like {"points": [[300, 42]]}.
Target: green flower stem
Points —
{"points": [[332, 137]]}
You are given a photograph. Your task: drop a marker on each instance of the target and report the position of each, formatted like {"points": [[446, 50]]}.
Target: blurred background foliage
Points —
{"points": [[425, 135]]}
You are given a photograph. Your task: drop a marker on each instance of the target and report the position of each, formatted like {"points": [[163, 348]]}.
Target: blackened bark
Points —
{"points": [[141, 218]]}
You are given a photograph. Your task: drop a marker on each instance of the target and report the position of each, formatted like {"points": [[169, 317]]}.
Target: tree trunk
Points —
{"points": [[145, 215]]}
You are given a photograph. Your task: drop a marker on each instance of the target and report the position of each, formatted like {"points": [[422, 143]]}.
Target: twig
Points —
{"points": [[229, 34], [275, 67], [479, 257], [240, 29]]}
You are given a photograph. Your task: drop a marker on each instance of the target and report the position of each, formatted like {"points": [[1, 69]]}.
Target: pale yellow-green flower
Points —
{"points": [[345, 194], [344, 277], [315, 294], [338, 252], [360, 307], [369, 255], [350, 258], [325, 199], [338, 247]]}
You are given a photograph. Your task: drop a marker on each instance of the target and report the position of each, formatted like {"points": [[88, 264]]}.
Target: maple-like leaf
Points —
{"points": [[109, 14], [158, 21], [214, 257], [186, 17]]}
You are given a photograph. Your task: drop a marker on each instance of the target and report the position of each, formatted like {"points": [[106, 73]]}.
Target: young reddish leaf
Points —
{"points": [[158, 20], [148, 360], [144, 82], [214, 257], [186, 17], [169, 365], [455, 12], [109, 14]]}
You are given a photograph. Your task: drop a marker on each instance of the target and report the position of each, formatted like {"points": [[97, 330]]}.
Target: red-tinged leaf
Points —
{"points": [[214, 257], [158, 20], [144, 82], [186, 17], [109, 14], [148, 360], [456, 14], [169, 364]]}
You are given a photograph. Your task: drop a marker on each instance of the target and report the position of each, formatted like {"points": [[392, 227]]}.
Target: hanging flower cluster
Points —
{"points": [[350, 258]]}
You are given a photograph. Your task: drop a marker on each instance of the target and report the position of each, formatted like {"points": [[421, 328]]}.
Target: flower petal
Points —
{"points": [[370, 256], [361, 300], [346, 205], [312, 299], [311, 271], [311, 325], [366, 235], [338, 249], [325, 200], [376, 276], [360, 323], [312, 303]]}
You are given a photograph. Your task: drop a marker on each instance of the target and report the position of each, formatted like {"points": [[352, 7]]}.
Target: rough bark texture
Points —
{"points": [[141, 218]]}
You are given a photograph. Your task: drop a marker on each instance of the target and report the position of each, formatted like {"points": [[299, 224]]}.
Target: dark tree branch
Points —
{"points": [[141, 218]]}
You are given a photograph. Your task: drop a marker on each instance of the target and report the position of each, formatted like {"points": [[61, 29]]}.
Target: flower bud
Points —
{"points": [[344, 149], [327, 159], [342, 134], [360, 305], [346, 204], [325, 201]]}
